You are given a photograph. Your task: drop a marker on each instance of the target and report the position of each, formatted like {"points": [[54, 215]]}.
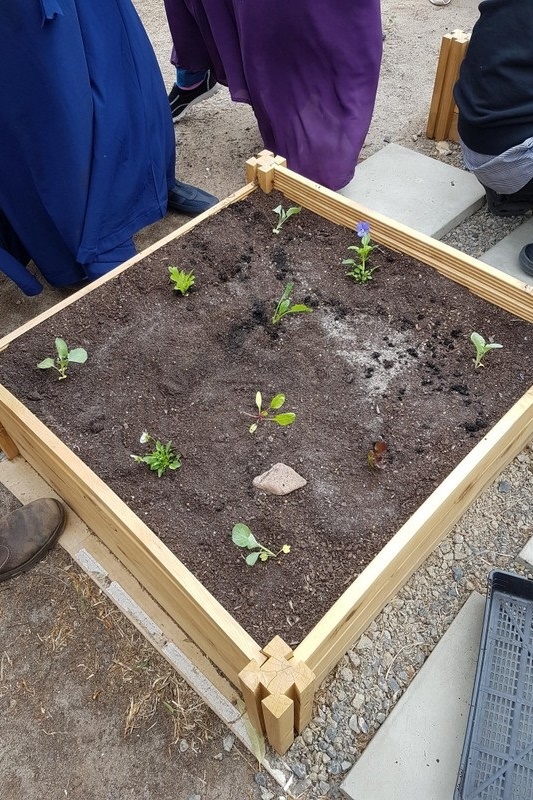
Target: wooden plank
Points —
{"points": [[278, 712], [437, 87], [458, 47], [252, 688], [380, 581], [240, 194], [7, 445], [182, 596], [481, 279]]}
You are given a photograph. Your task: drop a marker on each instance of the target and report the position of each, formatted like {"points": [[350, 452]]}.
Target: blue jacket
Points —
{"points": [[86, 138]]}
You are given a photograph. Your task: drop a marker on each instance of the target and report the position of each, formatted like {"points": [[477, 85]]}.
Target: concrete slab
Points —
{"points": [[525, 556], [417, 751], [504, 255], [426, 194]]}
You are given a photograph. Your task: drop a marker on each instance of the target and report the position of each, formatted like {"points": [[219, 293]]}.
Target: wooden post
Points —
{"points": [[442, 120], [260, 169], [278, 694], [7, 444]]}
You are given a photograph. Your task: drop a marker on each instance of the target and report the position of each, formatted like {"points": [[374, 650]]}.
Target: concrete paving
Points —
{"points": [[504, 255], [417, 751], [419, 191]]}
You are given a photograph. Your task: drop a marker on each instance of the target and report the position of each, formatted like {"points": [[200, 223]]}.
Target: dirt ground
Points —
{"points": [[87, 708]]}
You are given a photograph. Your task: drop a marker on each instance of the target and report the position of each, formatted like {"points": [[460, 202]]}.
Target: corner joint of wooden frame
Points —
{"points": [[278, 694], [260, 169]]}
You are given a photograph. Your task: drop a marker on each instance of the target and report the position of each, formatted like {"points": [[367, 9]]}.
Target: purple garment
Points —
{"points": [[309, 69]]}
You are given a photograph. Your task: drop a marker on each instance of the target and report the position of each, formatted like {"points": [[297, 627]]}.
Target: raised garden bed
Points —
{"points": [[389, 361]]}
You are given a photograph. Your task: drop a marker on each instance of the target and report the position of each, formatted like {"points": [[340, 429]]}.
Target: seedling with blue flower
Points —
{"points": [[359, 270], [162, 456]]}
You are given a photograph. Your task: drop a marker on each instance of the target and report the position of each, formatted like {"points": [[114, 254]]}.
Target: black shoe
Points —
{"points": [[508, 205], [182, 99], [526, 258], [186, 199], [27, 534]]}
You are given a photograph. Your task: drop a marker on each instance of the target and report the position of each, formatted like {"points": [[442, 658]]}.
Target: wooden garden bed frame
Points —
{"points": [[277, 683]]}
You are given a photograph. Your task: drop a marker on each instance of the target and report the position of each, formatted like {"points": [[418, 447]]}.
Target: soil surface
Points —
{"points": [[388, 362]]}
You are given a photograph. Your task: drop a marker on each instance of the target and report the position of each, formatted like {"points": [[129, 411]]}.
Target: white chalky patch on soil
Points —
{"points": [[357, 349]]}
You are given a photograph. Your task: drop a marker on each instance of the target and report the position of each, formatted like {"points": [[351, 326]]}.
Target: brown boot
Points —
{"points": [[27, 534]]}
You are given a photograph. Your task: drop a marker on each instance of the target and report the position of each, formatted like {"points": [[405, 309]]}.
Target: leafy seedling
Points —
{"points": [[64, 358], [376, 455], [284, 305], [264, 414], [162, 456], [482, 348], [181, 280], [283, 216], [243, 537], [359, 270]]}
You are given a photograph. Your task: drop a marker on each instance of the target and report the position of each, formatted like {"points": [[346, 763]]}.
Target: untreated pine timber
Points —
{"points": [[278, 691], [442, 119], [277, 683], [7, 445]]}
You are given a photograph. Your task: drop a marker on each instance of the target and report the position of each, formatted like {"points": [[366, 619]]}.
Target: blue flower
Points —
{"points": [[362, 229]]}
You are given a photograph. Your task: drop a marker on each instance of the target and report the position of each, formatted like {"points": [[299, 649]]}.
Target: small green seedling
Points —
{"points": [[482, 348], [287, 418], [284, 305], [283, 216], [243, 537], [64, 358], [162, 456], [359, 270], [182, 280]]}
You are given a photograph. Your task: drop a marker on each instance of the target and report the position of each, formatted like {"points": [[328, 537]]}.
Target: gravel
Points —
{"points": [[359, 694]]}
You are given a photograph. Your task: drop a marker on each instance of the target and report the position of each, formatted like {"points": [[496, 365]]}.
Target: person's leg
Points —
{"points": [[195, 76], [191, 87], [510, 205], [27, 534], [190, 200]]}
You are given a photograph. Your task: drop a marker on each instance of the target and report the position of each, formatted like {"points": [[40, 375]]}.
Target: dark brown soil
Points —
{"points": [[390, 361]]}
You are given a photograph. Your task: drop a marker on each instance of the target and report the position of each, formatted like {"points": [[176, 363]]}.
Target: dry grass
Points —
{"points": [[157, 694]]}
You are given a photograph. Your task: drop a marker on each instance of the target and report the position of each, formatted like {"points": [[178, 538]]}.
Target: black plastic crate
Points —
{"points": [[497, 758]]}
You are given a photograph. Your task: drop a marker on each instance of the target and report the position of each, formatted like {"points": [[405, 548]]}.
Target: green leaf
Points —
{"points": [[287, 291], [253, 427], [46, 364], [477, 340], [277, 401], [241, 535], [292, 210], [61, 347], [251, 558], [278, 210], [78, 355], [263, 556], [493, 346], [285, 419], [258, 400], [299, 307]]}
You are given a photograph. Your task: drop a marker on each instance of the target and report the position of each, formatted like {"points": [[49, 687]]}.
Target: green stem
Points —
{"points": [[266, 550]]}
